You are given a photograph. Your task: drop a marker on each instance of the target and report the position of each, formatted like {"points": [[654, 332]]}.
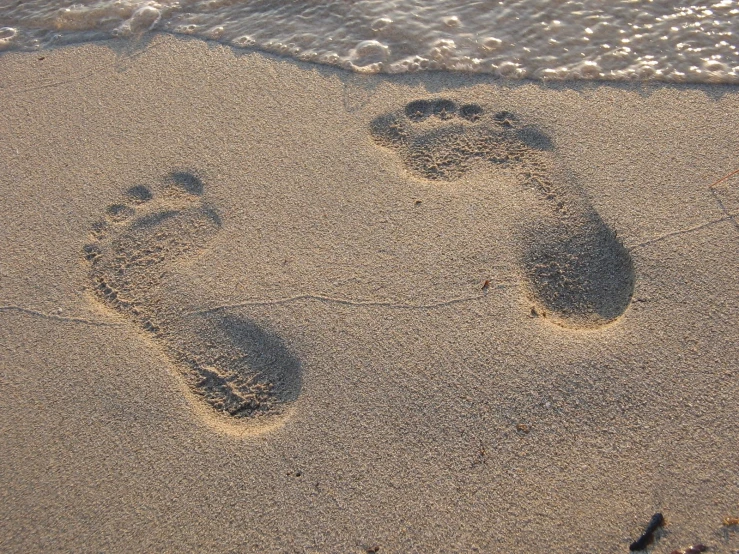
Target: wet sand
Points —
{"points": [[254, 305]]}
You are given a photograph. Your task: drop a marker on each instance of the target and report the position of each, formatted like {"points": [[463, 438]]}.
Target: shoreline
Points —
{"points": [[133, 44]]}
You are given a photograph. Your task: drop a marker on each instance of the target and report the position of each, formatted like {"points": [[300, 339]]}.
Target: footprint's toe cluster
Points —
{"points": [[579, 275], [444, 109], [440, 140]]}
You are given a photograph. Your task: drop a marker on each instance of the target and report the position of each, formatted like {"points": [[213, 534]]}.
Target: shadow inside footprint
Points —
{"points": [[579, 275], [266, 356], [239, 367]]}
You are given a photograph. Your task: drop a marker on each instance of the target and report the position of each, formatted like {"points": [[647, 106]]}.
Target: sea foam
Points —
{"points": [[537, 39]]}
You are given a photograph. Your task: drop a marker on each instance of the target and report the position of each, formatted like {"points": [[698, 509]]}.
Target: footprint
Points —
{"points": [[238, 368], [579, 274]]}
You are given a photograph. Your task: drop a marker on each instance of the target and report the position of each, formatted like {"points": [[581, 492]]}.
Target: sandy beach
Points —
{"points": [[249, 304]]}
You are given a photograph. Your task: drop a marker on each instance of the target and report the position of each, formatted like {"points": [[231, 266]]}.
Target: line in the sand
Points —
{"points": [[724, 208], [55, 317], [346, 302], [728, 217]]}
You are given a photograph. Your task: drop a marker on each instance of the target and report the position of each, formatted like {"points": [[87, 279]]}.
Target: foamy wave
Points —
{"points": [[536, 39]]}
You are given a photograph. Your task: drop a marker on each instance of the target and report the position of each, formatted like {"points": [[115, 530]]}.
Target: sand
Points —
{"points": [[253, 305]]}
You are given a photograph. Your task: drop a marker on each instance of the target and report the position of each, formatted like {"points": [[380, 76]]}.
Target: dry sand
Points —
{"points": [[392, 403]]}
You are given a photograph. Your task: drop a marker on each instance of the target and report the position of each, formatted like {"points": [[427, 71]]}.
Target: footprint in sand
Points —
{"points": [[579, 275], [237, 367]]}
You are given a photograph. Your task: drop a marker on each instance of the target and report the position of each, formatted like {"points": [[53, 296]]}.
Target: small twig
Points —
{"points": [[724, 178]]}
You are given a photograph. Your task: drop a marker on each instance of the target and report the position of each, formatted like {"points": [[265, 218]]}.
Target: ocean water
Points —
{"points": [[666, 40]]}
